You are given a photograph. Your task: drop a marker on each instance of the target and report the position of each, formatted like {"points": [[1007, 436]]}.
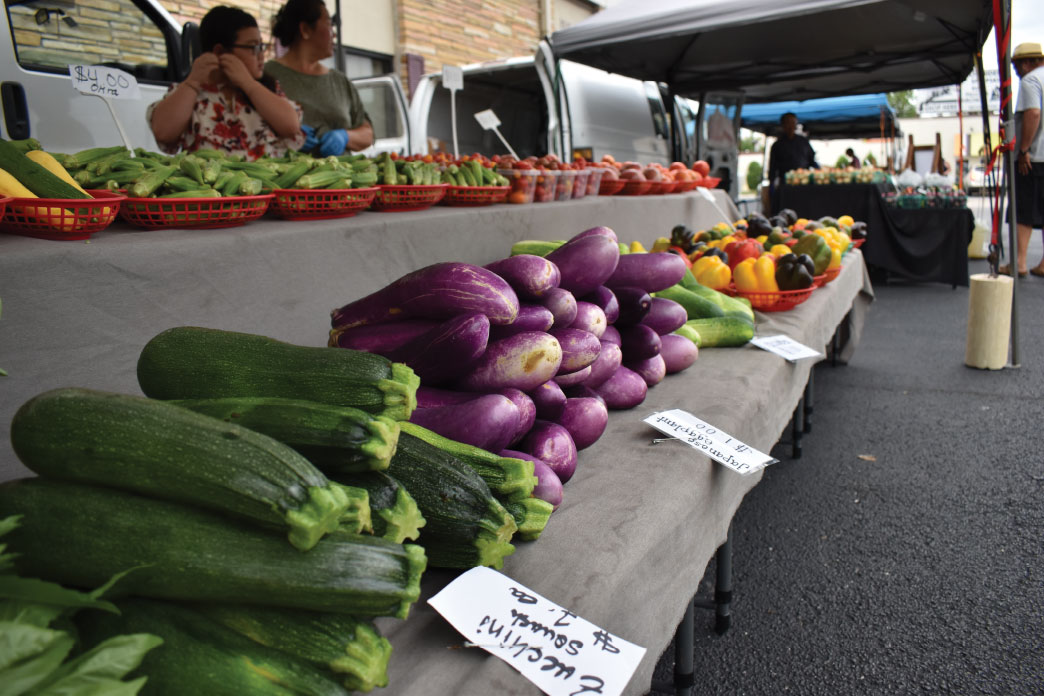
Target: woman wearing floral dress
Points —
{"points": [[226, 103]]}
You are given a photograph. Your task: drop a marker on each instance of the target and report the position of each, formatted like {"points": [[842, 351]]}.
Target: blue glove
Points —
{"points": [[310, 140], [333, 142]]}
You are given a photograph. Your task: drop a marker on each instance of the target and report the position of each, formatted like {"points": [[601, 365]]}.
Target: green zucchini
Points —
{"points": [[35, 177], [531, 516], [349, 646], [722, 331], [465, 525], [82, 535], [335, 438], [393, 511], [195, 363], [160, 450], [202, 656], [507, 478]]}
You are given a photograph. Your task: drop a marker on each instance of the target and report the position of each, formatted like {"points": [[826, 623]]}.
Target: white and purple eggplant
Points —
{"points": [[625, 389], [562, 305], [447, 351], [549, 487], [582, 391], [552, 443], [665, 315], [431, 397], [606, 299], [599, 231], [652, 370], [523, 361], [439, 291], [612, 335], [531, 317], [571, 379], [650, 272], [526, 411], [529, 276], [634, 304], [608, 360], [589, 317], [579, 348], [383, 338], [488, 422], [585, 419], [678, 352], [585, 262], [548, 398]]}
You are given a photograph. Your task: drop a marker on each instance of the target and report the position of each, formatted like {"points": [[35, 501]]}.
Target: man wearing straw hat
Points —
{"points": [[1028, 60]]}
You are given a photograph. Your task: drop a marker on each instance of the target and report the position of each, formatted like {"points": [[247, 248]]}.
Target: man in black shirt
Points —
{"points": [[791, 151]]}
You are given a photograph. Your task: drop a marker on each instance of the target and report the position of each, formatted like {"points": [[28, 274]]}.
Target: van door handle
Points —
{"points": [[16, 110]]}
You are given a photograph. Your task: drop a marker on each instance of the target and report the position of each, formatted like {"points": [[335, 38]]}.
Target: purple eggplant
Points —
{"points": [[585, 419], [610, 358], [571, 379], [439, 291], [548, 400], [612, 335], [554, 445], [585, 262], [590, 318], [430, 397], [562, 305], [650, 272], [639, 342], [606, 299], [530, 276], [531, 317], [579, 348], [549, 487], [665, 315], [382, 338], [652, 370], [489, 422], [634, 305], [523, 361], [625, 389], [601, 231], [678, 352], [582, 391], [526, 411], [447, 351]]}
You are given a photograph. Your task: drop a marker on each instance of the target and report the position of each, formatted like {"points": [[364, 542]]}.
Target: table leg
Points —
{"points": [[684, 660], [796, 427], [809, 388], [723, 587]]}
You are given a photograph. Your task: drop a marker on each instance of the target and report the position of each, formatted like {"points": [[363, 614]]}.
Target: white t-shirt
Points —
{"points": [[1031, 96]]}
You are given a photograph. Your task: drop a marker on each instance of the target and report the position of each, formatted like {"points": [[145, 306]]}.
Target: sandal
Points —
{"points": [[1006, 270], [1037, 271]]}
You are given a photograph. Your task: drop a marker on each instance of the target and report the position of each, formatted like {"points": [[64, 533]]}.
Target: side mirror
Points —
{"points": [[190, 47]]}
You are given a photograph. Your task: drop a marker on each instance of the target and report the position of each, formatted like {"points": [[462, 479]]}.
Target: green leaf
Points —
{"points": [[29, 612], [19, 642], [20, 678], [107, 661], [43, 592], [9, 524], [113, 580]]}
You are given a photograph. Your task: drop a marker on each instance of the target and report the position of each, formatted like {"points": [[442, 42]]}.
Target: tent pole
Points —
{"points": [[339, 57], [1002, 9]]}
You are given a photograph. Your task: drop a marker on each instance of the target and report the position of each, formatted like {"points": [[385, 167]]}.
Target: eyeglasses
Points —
{"points": [[257, 49]]}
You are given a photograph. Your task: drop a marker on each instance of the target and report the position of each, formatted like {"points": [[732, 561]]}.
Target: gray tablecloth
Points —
{"points": [[639, 522]]}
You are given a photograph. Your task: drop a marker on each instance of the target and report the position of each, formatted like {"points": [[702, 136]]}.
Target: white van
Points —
{"points": [[40, 39]]}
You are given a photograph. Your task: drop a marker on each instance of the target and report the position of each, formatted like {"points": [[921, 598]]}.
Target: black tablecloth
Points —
{"points": [[929, 244]]}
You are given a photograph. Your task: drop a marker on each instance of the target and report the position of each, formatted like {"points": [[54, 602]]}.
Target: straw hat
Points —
{"points": [[1027, 50]]}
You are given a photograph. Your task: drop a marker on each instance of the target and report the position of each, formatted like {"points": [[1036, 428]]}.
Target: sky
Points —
{"points": [[1027, 24]]}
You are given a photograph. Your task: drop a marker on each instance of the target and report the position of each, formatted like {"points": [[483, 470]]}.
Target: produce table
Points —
{"points": [[629, 545], [929, 244]]}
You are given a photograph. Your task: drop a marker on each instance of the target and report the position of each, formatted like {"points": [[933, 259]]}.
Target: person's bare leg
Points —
{"points": [[1024, 232]]}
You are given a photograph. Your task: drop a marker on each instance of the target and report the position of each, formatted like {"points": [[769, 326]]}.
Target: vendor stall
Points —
{"points": [[627, 548]]}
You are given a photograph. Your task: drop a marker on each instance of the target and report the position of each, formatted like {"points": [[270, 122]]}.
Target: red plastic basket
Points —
{"points": [[773, 301], [685, 185], [610, 187], [827, 276], [856, 243], [657, 188], [475, 195], [321, 204], [195, 213], [407, 197], [3, 205], [632, 187], [709, 182], [63, 219]]}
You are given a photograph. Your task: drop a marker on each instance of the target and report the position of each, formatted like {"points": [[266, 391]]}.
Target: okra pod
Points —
{"points": [[190, 165], [231, 187], [150, 183], [198, 193], [84, 157], [250, 187]]}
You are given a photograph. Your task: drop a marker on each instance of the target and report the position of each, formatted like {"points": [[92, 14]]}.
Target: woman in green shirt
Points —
{"points": [[334, 118]]}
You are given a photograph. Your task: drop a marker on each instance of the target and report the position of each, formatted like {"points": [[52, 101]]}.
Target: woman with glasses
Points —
{"points": [[226, 102], [334, 118]]}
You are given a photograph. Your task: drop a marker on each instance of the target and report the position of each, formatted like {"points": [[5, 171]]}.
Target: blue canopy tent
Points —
{"points": [[856, 116]]}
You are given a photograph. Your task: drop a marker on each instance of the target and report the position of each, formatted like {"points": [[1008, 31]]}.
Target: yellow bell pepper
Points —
{"points": [[761, 239], [755, 276], [712, 272], [845, 220], [637, 248], [779, 250], [835, 258], [661, 244]]}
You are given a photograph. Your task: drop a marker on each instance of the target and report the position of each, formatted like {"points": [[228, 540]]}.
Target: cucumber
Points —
{"points": [[732, 306], [335, 438], [349, 646], [194, 363], [696, 306], [183, 553], [508, 478], [465, 525], [393, 511], [536, 247], [722, 331], [531, 516], [160, 450], [202, 656]]}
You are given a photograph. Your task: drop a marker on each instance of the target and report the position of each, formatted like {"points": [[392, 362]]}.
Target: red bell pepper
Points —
{"points": [[746, 249]]}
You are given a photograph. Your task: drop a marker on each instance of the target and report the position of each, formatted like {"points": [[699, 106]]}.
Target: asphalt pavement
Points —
{"points": [[902, 553]]}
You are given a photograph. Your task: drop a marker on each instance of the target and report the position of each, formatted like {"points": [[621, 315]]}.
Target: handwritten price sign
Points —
{"points": [[552, 647], [704, 437], [101, 81]]}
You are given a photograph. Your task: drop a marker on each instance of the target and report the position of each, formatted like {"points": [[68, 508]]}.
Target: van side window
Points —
{"points": [[382, 107], [659, 115], [50, 35]]}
